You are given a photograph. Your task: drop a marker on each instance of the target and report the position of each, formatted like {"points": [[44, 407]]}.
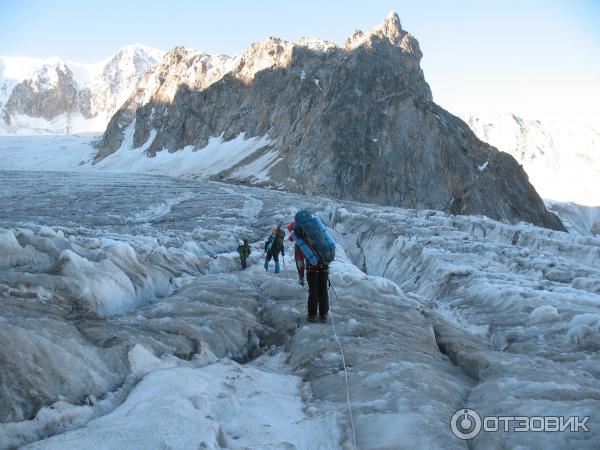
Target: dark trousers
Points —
{"points": [[270, 255], [318, 295], [244, 262]]}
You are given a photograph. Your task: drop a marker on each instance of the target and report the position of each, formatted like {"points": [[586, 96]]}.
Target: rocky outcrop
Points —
{"points": [[356, 122], [50, 92]]}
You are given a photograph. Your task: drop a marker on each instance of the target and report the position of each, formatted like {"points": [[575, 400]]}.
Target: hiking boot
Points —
{"points": [[301, 281], [323, 318], [311, 318]]}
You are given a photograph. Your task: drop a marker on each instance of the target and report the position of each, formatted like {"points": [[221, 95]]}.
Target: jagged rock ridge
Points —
{"points": [[355, 123]]}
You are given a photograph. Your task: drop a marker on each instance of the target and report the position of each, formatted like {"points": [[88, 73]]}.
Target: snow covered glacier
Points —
{"points": [[126, 322]]}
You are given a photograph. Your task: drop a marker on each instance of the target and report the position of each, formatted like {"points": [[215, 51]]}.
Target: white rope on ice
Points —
{"points": [[345, 368]]}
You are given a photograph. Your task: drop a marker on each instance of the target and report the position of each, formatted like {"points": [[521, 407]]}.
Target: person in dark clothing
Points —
{"points": [[273, 247], [318, 294], [244, 251], [318, 248]]}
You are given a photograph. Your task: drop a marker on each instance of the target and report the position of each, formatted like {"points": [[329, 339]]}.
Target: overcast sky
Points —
{"points": [[536, 58]]}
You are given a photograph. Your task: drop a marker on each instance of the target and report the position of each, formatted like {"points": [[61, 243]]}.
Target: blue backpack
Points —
{"points": [[313, 238]]}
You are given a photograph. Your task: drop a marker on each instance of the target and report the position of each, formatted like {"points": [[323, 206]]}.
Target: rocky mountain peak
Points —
{"points": [[356, 123], [354, 40], [272, 52], [390, 28], [177, 54]]}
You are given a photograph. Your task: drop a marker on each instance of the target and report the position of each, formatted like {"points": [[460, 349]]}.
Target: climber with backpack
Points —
{"points": [[298, 255], [318, 248], [244, 251], [274, 246]]}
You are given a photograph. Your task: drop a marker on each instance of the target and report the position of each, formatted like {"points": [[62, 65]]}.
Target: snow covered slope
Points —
{"points": [[127, 291], [577, 218], [41, 96], [47, 153], [562, 160], [234, 160]]}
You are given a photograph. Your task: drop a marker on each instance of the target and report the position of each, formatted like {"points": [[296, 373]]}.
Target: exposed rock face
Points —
{"points": [[50, 92], [355, 123], [59, 93]]}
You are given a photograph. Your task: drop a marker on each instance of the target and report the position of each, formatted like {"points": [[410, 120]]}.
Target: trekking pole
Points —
{"points": [[334, 291]]}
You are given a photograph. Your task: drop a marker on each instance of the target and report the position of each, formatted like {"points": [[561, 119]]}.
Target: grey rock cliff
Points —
{"points": [[355, 123], [51, 92]]}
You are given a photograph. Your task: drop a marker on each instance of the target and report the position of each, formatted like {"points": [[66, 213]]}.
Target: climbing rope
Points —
{"points": [[345, 368]]}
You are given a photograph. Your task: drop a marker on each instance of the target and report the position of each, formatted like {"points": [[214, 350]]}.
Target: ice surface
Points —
{"points": [[126, 320], [521, 286], [63, 124], [51, 153], [577, 218], [75, 153], [212, 407], [240, 159]]}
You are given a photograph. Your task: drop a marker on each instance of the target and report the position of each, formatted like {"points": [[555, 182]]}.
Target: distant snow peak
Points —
{"points": [[44, 95], [562, 160], [48, 75]]}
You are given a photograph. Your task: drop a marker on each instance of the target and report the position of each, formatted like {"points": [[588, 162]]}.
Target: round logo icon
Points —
{"points": [[465, 423]]}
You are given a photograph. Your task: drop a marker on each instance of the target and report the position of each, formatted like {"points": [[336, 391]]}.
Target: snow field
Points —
{"points": [[221, 405], [436, 313], [249, 160], [77, 155], [515, 307]]}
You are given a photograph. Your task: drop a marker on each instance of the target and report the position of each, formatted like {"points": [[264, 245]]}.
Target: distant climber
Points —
{"points": [[318, 248], [298, 255], [274, 246], [244, 251]]}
